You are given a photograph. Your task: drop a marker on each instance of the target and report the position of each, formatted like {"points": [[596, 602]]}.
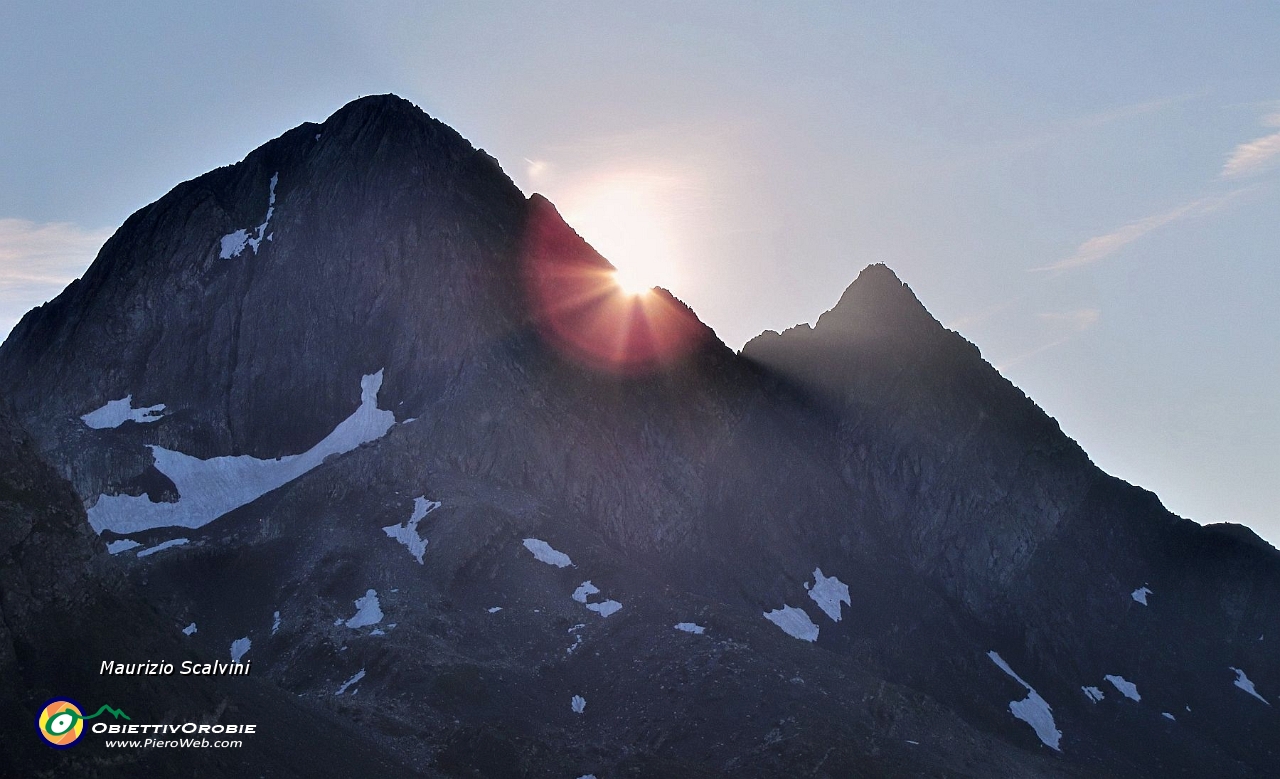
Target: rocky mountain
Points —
{"points": [[64, 608], [365, 415]]}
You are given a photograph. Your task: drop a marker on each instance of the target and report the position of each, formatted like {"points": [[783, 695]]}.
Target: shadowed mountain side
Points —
{"points": [[64, 611]]}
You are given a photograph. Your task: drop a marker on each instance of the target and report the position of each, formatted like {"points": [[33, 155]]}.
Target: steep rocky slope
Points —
{"points": [[65, 610]]}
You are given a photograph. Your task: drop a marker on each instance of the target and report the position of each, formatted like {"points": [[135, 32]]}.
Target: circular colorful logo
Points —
{"points": [[60, 723]]}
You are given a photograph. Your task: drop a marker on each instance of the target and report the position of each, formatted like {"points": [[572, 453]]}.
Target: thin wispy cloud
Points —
{"points": [[1065, 130], [1256, 155], [37, 260], [1079, 319], [1101, 246], [1074, 322]]}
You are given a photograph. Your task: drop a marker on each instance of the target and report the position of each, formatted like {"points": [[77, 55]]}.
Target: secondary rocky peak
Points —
{"points": [[878, 303]]}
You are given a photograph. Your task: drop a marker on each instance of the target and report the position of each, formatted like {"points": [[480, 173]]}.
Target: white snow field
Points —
{"points": [[116, 412], [794, 622], [829, 592], [207, 489], [368, 611], [407, 532], [545, 554], [1033, 710]]}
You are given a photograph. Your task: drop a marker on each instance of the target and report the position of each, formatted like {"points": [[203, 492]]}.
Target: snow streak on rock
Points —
{"points": [[353, 680], [544, 553], [207, 489], [1242, 681], [829, 592], [161, 547], [1033, 710], [116, 412], [1127, 688], [794, 622], [122, 545], [232, 244], [407, 532], [691, 627], [1094, 693]]}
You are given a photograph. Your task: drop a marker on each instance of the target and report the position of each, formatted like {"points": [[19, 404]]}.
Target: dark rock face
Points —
{"points": [[684, 484], [63, 611]]}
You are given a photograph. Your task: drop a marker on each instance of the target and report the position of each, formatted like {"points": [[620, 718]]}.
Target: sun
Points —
{"points": [[589, 311], [626, 218], [633, 281]]}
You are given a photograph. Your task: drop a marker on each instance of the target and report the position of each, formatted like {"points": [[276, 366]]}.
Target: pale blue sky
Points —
{"points": [[1130, 153]]}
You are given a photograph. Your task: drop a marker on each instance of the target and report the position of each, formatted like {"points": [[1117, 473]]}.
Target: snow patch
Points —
{"points": [[584, 591], [233, 244], [1242, 681], [578, 704], [208, 489], [494, 609], [794, 622], [545, 554], [1033, 710], [116, 412], [1140, 595], [1127, 688], [583, 594], [368, 612], [172, 542], [1094, 693], [1168, 716], [407, 532], [691, 627], [828, 592], [353, 680], [122, 545], [189, 630], [275, 623], [239, 648], [605, 608]]}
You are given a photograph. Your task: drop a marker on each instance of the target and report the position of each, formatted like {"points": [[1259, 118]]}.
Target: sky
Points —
{"points": [[1087, 191]]}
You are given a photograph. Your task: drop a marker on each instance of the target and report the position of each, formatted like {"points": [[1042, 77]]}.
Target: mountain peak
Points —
{"points": [[385, 109], [879, 303]]}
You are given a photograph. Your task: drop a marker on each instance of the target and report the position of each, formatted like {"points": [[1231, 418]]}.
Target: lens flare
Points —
{"points": [[589, 311]]}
